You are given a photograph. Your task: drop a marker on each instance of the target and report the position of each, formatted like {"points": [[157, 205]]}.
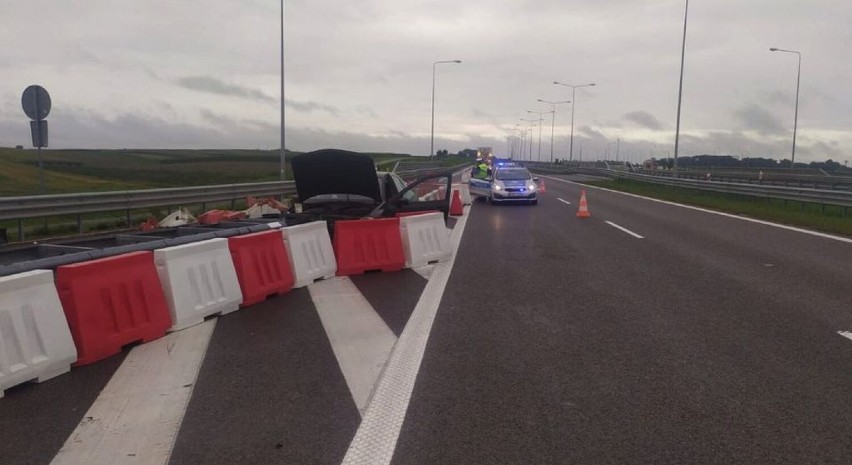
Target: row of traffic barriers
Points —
{"points": [[81, 312]]}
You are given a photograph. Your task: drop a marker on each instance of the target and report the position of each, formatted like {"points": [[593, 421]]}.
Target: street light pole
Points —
{"points": [[540, 119], [680, 87], [573, 105], [552, 121], [432, 139], [531, 121], [283, 157], [796, 114]]}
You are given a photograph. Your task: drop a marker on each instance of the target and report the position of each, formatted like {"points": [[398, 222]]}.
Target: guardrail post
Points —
{"points": [[128, 217], [233, 204], [20, 230], [79, 224]]}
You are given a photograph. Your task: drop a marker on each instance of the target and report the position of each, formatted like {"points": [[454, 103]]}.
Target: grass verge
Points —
{"points": [[831, 219]]}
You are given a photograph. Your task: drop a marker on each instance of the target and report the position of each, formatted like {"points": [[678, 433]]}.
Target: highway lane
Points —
{"points": [[561, 340]]}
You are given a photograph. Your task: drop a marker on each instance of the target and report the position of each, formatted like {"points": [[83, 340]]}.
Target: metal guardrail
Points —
{"points": [[12, 208], [839, 198], [38, 206]]}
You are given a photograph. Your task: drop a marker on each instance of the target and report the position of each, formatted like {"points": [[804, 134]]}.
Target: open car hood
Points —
{"points": [[331, 171]]}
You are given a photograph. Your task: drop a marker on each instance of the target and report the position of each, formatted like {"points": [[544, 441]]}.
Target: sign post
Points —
{"points": [[36, 105]]}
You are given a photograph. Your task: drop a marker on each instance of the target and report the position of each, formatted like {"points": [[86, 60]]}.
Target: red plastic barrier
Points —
{"points": [[262, 264], [112, 302], [366, 245]]}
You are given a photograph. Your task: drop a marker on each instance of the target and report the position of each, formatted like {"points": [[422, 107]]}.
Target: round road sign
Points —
{"points": [[36, 102]]}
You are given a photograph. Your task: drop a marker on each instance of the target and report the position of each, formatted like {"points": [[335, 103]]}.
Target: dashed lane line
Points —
{"points": [[624, 229], [375, 441], [846, 334], [767, 223], [563, 201]]}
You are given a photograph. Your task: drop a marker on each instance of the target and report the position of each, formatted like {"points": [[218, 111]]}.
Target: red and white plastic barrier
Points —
{"points": [[310, 252], [368, 245], [112, 302], [425, 239], [262, 266], [198, 280], [35, 342]]}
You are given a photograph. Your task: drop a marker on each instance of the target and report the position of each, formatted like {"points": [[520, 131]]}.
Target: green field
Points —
{"points": [[830, 219], [68, 171], [75, 171]]}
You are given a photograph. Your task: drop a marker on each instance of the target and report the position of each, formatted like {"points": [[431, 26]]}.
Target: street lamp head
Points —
{"points": [[456, 61], [557, 82], [773, 49], [592, 84]]}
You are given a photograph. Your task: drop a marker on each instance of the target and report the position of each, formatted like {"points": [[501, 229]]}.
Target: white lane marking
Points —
{"points": [[563, 201], [360, 339], [375, 440], [136, 417], [624, 229], [846, 334], [752, 220]]}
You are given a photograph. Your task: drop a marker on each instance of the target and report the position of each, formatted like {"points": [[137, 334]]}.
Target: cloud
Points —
{"points": [[757, 118], [644, 119], [215, 86], [311, 106]]}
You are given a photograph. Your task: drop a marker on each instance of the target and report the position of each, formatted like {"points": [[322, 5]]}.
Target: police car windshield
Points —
{"points": [[512, 174]]}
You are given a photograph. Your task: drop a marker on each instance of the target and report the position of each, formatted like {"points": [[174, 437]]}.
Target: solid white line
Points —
{"points": [[375, 440], [752, 220], [846, 334], [360, 339], [136, 417], [624, 229], [563, 201]]}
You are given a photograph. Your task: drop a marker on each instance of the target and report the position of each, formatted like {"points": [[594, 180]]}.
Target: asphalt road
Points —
{"points": [[557, 340], [565, 340]]}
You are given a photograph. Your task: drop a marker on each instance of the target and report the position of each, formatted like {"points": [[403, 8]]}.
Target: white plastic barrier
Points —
{"points": [[198, 280], [35, 342], [425, 239], [310, 252], [464, 192]]}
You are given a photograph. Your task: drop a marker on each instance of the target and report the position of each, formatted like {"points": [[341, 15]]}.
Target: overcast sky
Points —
{"points": [[205, 74]]}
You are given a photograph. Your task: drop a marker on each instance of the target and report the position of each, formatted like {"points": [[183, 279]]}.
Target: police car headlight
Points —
{"points": [[531, 187], [497, 187]]}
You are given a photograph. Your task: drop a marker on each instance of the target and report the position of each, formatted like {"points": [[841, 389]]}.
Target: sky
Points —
{"points": [[206, 74]]}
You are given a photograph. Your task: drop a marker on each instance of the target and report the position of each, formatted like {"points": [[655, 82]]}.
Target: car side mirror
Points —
{"points": [[535, 179]]}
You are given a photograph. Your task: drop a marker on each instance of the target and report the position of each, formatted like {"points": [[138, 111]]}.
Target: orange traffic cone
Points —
{"points": [[456, 208], [541, 187], [583, 212]]}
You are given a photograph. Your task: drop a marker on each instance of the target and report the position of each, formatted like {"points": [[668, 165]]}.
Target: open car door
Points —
{"points": [[431, 193]]}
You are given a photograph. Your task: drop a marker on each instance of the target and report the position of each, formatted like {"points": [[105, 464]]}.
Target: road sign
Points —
{"points": [[39, 132], [36, 102]]}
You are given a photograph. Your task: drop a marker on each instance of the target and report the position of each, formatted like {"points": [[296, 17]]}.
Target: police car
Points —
{"points": [[508, 183]]}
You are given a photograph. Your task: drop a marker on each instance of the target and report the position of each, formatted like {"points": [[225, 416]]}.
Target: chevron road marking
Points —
{"points": [[136, 417], [360, 339]]}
